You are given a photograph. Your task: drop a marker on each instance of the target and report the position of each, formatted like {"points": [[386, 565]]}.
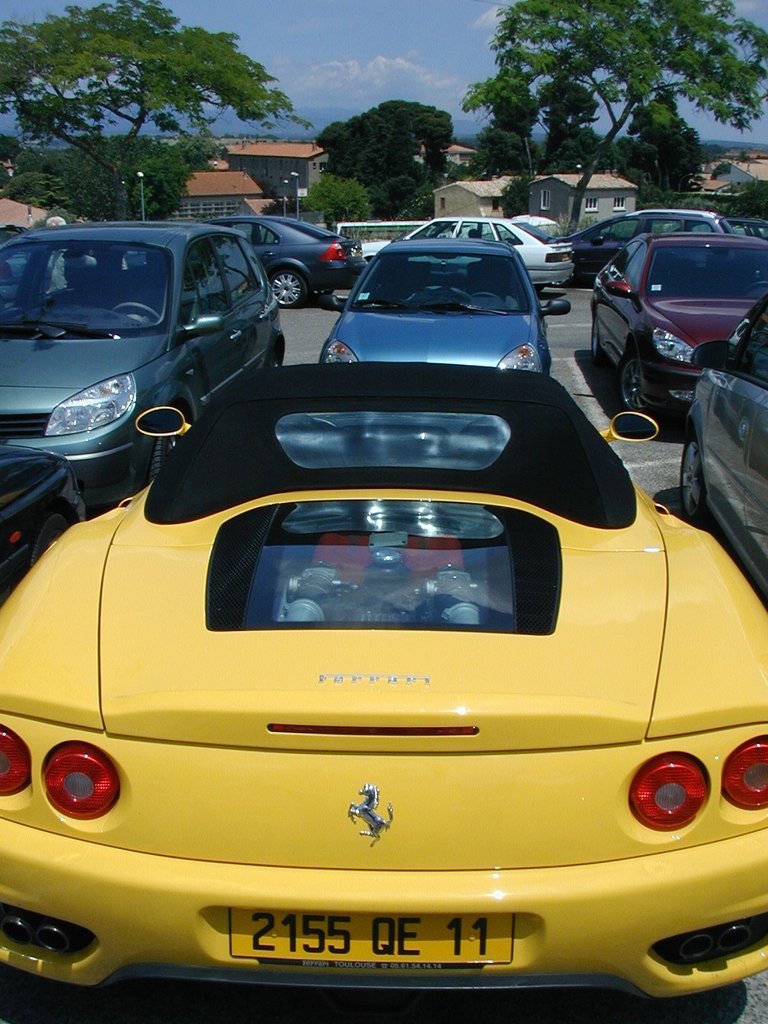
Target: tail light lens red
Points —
{"points": [[335, 251], [745, 776], [81, 781], [14, 763], [668, 791]]}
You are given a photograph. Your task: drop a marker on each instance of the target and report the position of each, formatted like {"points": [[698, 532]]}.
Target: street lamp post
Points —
{"points": [[140, 176], [295, 176], [284, 197]]}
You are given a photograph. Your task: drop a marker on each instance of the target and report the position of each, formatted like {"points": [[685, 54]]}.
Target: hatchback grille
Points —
{"points": [[23, 425]]}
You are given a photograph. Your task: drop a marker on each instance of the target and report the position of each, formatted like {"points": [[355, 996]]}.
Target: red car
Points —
{"points": [[660, 297]]}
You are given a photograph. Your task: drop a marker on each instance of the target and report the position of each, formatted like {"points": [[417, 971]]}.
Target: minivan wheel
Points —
{"points": [[693, 490], [630, 383], [289, 288]]}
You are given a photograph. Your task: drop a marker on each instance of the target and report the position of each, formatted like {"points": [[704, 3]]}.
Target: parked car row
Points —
{"points": [[596, 245], [548, 262], [350, 587]]}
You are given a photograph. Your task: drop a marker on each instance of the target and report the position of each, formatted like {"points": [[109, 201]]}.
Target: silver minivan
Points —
{"points": [[724, 470]]}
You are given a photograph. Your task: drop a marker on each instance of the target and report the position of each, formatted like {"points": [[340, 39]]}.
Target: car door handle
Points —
{"points": [[743, 429], [236, 335]]}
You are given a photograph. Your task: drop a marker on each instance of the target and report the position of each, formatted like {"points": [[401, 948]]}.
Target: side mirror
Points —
{"points": [[556, 307], [331, 302], [621, 289], [203, 325], [711, 355], [162, 421], [598, 240], [631, 426]]}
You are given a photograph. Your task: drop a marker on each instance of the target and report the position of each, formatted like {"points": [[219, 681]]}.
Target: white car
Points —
{"points": [[547, 262]]}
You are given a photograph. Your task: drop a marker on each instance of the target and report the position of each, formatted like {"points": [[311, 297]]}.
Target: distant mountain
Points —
{"points": [[228, 125]]}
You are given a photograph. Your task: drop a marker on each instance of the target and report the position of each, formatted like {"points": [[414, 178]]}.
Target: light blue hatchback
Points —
{"points": [[443, 301]]}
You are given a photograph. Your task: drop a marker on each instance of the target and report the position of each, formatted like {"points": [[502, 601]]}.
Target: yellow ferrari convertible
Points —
{"points": [[391, 679]]}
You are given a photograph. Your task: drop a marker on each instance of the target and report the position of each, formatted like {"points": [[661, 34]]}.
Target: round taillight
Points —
{"points": [[668, 791], [14, 763], [745, 776], [81, 781]]}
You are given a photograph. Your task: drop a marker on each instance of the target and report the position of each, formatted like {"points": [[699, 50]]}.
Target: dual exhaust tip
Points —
{"points": [[713, 943], [26, 928]]}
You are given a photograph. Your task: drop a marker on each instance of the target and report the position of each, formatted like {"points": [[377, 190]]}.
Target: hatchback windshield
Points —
{"points": [[102, 286], [443, 281]]}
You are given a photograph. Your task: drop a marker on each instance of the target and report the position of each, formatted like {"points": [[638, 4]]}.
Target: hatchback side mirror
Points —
{"points": [[331, 302]]}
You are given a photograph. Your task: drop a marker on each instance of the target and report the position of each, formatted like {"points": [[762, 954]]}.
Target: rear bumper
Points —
{"points": [[581, 925]]}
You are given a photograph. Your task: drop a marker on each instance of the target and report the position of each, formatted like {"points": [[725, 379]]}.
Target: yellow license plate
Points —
{"points": [[372, 939]]}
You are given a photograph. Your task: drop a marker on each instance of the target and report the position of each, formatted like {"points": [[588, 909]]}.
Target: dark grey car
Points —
{"points": [[301, 259], [99, 322], [724, 471]]}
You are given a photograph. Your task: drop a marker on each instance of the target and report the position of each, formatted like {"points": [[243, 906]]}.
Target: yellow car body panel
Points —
{"points": [[528, 692], [354, 780]]}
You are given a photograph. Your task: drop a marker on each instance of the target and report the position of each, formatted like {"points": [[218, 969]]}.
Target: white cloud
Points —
{"points": [[357, 83]]}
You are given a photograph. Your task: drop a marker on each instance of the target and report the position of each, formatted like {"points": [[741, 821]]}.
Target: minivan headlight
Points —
{"points": [[94, 407]]}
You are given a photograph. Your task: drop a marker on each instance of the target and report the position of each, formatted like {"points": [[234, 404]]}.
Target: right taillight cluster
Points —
{"points": [[668, 791], [80, 780]]}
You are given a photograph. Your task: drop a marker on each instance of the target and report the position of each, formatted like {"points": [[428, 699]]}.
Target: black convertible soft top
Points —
{"points": [[555, 459]]}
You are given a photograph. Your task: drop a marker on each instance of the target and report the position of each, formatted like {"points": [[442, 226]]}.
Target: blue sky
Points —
{"points": [[354, 54]]}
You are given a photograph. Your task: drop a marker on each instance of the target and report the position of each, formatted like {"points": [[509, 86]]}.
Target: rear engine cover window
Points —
{"points": [[434, 440], [385, 564]]}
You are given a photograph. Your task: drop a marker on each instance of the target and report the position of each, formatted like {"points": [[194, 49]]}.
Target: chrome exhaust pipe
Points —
{"points": [[697, 946], [52, 936], [735, 936], [17, 929]]}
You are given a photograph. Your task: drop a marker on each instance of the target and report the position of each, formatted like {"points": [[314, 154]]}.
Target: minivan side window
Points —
{"points": [[203, 290], [237, 270]]}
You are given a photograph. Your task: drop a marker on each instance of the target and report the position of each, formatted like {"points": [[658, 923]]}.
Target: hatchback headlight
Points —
{"points": [[338, 352], [95, 407], [671, 347], [524, 357]]}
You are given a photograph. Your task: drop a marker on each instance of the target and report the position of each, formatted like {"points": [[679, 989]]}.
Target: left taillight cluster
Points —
{"points": [[670, 789], [80, 780], [335, 251]]}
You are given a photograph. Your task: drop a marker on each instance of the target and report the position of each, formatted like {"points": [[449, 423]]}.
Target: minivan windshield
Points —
{"points": [[104, 286]]}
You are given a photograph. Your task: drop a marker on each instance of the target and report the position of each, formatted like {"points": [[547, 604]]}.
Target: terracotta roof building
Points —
{"points": [[281, 168], [21, 214], [220, 194]]}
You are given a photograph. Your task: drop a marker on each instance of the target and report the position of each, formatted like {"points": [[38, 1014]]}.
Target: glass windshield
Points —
{"points": [[442, 279], [704, 272], [104, 285]]}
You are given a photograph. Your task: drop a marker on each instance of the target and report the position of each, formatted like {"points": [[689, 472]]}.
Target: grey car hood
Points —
{"points": [[479, 339], [71, 364]]}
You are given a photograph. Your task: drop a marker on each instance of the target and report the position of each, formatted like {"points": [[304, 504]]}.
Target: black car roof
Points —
{"points": [[153, 232], [555, 459]]}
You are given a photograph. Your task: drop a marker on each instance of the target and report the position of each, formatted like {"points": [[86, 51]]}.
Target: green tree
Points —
{"points": [[379, 148], [36, 188], [628, 56], [123, 67], [337, 198]]}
